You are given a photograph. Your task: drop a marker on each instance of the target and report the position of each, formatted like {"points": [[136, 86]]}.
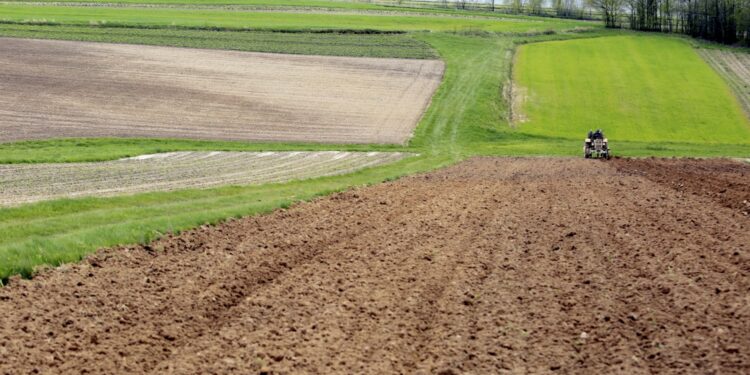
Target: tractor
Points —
{"points": [[596, 146]]}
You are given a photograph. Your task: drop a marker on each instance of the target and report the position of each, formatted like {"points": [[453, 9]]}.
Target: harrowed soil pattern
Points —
{"points": [[489, 266], [62, 89]]}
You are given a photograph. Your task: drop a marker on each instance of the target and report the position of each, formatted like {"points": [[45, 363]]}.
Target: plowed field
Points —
{"points": [[735, 68], [54, 89], [24, 183], [490, 266]]}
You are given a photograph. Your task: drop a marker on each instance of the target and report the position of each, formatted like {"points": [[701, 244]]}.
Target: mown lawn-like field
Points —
{"points": [[636, 88]]}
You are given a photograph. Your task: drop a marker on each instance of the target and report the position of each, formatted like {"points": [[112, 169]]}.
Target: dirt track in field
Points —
{"points": [[490, 266], [53, 89], [25, 183]]}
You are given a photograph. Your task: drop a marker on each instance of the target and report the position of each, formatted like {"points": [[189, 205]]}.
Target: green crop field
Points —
{"points": [[327, 4], [637, 88], [357, 45], [274, 20], [468, 114]]}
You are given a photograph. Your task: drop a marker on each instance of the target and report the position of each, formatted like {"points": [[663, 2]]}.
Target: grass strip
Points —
{"points": [[328, 44], [162, 17]]}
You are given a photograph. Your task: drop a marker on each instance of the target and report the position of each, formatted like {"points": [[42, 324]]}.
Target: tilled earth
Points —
{"points": [[490, 266], [61, 89]]}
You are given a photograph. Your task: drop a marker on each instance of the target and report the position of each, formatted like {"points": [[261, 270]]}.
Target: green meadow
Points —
{"points": [[325, 4], [637, 88], [280, 21]]}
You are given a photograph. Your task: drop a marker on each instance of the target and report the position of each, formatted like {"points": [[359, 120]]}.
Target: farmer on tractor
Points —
{"points": [[596, 145]]}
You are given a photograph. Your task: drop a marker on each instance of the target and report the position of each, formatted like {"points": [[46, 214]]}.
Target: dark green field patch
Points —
{"points": [[304, 43]]}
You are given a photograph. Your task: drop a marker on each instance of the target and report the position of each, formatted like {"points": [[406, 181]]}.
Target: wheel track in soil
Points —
{"points": [[492, 265]]}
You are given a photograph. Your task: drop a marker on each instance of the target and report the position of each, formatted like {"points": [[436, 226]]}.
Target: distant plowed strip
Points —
{"points": [[77, 89], [177, 170], [735, 68]]}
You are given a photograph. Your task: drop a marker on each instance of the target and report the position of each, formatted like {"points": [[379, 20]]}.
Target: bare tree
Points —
{"points": [[723, 21], [535, 7], [516, 6], [611, 10]]}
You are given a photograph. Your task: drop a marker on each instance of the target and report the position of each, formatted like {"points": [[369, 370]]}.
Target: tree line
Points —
{"points": [[723, 21]]}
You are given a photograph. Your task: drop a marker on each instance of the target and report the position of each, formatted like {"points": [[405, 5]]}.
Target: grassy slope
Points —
{"points": [[273, 20], [640, 89]]}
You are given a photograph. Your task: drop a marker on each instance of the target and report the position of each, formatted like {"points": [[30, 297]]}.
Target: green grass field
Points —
{"points": [[637, 88], [275, 20], [467, 116], [364, 6], [326, 4]]}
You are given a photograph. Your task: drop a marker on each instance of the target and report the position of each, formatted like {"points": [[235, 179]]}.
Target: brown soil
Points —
{"points": [[490, 266], [53, 89], [725, 182]]}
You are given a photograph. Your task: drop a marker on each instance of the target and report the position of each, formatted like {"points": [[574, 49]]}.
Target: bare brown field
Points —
{"points": [[56, 89], [25, 183], [491, 266], [735, 68]]}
